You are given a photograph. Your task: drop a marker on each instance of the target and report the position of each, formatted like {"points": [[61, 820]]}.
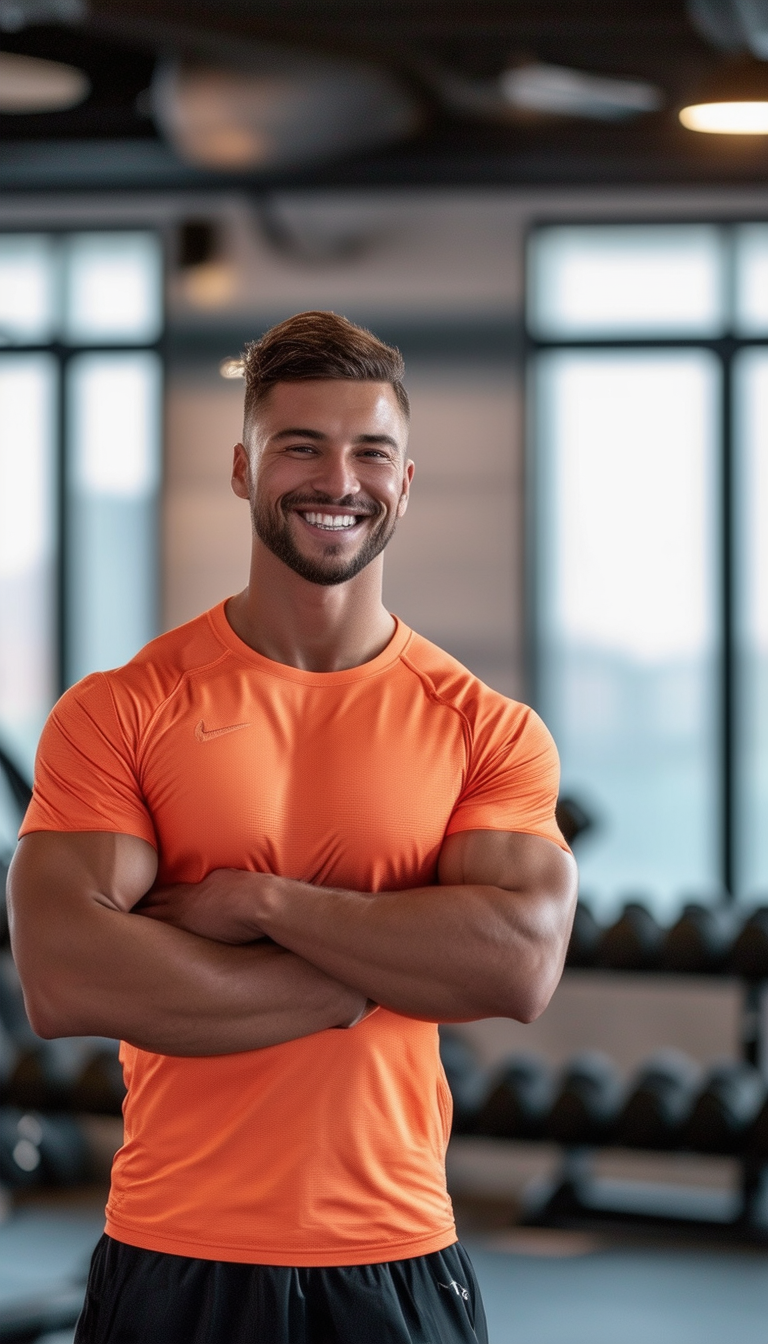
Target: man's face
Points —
{"points": [[326, 474]]}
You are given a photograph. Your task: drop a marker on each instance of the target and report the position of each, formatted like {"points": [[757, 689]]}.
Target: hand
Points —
{"points": [[221, 907]]}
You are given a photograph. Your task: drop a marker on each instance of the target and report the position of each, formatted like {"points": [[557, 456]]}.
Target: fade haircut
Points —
{"points": [[319, 345]]}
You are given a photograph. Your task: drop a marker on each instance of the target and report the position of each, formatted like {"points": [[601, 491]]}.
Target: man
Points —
{"points": [[290, 816]]}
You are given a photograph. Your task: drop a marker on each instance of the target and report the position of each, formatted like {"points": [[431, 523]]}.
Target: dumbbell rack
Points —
{"points": [[576, 1197]]}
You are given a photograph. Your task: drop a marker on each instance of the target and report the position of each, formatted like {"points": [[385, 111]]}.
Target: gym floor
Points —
{"points": [[540, 1286]]}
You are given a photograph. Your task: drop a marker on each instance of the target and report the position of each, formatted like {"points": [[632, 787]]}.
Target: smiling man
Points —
{"points": [[270, 854]]}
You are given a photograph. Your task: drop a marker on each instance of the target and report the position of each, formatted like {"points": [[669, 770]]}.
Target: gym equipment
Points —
{"points": [[633, 943], [76, 1073], [13, 1014], [100, 1088], [467, 1079], [4, 936], [39, 1316], [8, 1057], [749, 954], [41, 1149], [588, 1101], [572, 819], [757, 1138], [520, 1095], [660, 1102], [700, 941], [585, 938], [726, 1109]]}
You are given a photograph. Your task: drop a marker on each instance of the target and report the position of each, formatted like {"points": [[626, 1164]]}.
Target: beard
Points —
{"points": [[272, 528]]}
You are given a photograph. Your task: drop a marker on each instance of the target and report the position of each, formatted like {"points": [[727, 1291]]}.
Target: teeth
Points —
{"points": [[333, 521]]}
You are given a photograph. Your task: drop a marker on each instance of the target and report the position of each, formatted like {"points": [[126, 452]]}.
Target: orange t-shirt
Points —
{"points": [[327, 1150]]}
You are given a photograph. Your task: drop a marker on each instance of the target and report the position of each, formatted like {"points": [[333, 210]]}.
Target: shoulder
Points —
{"points": [[512, 773], [491, 719], [129, 696]]}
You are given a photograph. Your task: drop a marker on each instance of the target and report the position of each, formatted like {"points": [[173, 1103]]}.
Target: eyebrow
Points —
{"points": [[319, 436]]}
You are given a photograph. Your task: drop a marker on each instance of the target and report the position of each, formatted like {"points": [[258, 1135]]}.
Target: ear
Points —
{"points": [[241, 473], [406, 489]]}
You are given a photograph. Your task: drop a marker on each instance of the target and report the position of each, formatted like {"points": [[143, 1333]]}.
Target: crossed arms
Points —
{"points": [[245, 960]]}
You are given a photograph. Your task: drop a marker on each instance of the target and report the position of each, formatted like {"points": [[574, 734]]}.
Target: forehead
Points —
{"points": [[335, 407]]}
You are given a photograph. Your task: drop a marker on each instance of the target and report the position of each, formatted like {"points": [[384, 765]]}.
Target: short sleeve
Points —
{"points": [[85, 771], [512, 783]]}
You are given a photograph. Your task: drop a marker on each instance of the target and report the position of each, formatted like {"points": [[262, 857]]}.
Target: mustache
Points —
{"points": [[353, 503]]}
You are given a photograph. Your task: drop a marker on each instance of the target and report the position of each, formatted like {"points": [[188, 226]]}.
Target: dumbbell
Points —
{"points": [[100, 1088], [76, 1073], [757, 1138], [585, 938], [726, 1109], [13, 1014], [749, 955], [633, 943], [8, 1057], [700, 940], [467, 1079], [3, 905], [41, 1149], [520, 1096], [588, 1101], [572, 819], [660, 1102]]}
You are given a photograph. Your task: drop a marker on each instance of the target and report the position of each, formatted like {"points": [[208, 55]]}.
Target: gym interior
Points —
{"points": [[577, 277]]}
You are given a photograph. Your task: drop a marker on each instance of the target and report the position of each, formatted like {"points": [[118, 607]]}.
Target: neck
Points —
{"points": [[307, 625]]}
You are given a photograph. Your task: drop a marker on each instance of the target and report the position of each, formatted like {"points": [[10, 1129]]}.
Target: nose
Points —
{"points": [[335, 474]]}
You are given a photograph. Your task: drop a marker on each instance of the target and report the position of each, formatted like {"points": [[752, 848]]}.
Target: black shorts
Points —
{"points": [[147, 1297]]}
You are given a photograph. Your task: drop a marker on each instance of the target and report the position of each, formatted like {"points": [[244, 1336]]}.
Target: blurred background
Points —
{"points": [[559, 212]]}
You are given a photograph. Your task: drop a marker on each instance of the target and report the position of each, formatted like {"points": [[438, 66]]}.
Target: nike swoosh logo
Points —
{"points": [[203, 736]]}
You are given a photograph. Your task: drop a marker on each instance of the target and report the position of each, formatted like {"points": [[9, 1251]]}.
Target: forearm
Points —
{"points": [[489, 941], [110, 973], [449, 953]]}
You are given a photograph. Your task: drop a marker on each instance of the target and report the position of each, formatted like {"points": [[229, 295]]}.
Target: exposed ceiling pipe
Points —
{"points": [[278, 108], [732, 25], [551, 90], [15, 15]]}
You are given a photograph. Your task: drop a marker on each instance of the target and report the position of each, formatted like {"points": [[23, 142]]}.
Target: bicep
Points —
{"points": [[511, 860], [66, 870]]}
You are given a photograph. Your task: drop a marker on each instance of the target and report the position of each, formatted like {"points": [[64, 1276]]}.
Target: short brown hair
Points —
{"points": [[319, 345]]}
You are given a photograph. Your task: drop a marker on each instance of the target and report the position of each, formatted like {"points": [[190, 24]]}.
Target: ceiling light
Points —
{"points": [[211, 285], [232, 368], [747, 118], [28, 84]]}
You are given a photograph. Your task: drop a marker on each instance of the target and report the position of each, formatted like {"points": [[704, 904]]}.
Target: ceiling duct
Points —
{"points": [[560, 91], [15, 15], [549, 90], [28, 84], [732, 25], [283, 109]]}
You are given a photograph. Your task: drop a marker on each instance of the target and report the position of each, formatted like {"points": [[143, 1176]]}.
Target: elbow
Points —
{"points": [[47, 1020], [527, 997], [50, 1011], [531, 1006]]}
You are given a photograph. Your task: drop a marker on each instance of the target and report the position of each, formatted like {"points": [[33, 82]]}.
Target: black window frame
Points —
{"points": [[725, 349], [63, 352]]}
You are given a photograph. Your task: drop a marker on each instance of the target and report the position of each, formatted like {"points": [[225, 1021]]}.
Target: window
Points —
{"points": [[649, 394], [80, 416]]}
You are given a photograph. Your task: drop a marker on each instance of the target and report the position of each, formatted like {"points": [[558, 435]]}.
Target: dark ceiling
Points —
{"points": [[118, 43]]}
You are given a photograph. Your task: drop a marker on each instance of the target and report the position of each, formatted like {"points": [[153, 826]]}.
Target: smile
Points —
{"points": [[330, 522]]}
